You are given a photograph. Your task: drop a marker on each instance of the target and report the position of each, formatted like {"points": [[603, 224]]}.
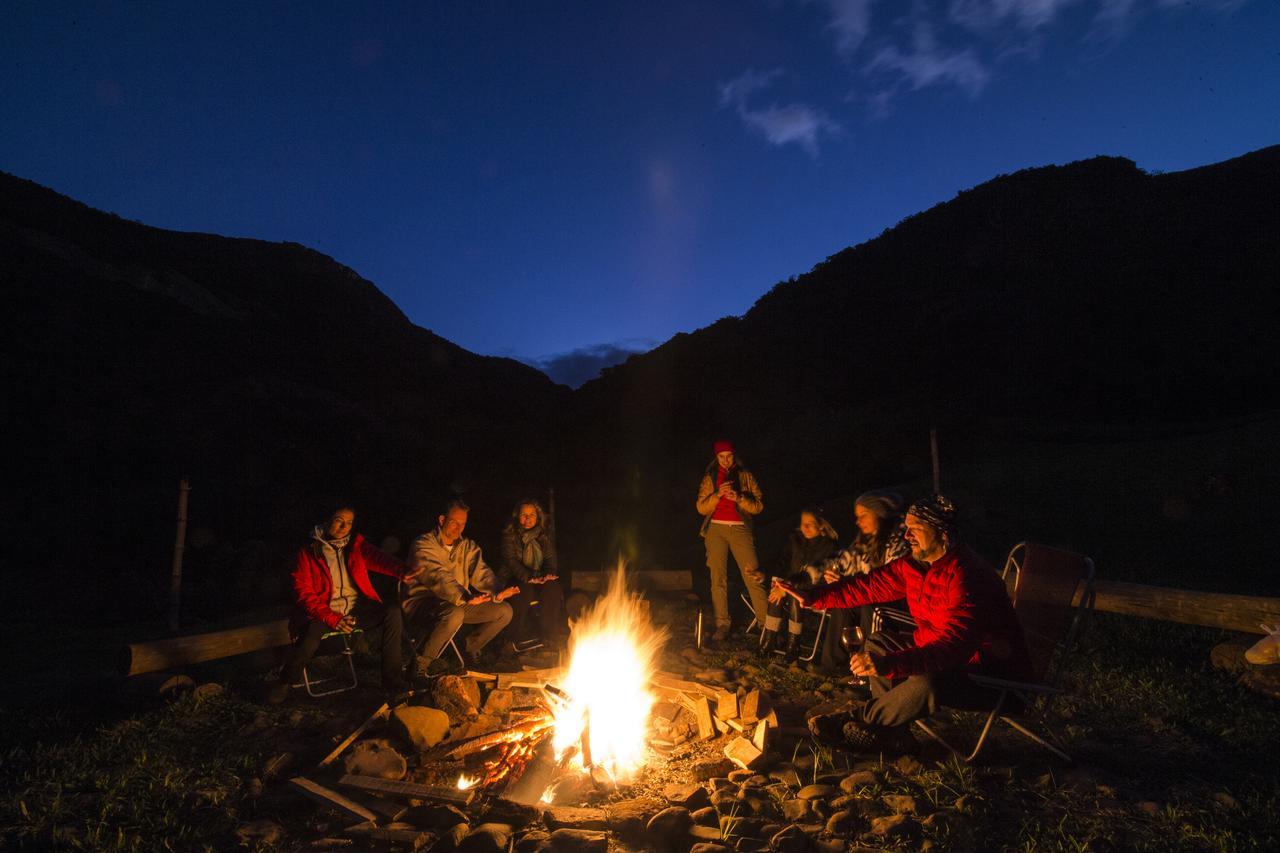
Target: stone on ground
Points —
{"points": [[630, 817], [577, 841], [570, 817], [815, 792], [418, 725], [499, 702], [790, 839], [458, 696], [859, 779], [691, 796], [671, 822], [375, 758], [260, 832], [486, 838]]}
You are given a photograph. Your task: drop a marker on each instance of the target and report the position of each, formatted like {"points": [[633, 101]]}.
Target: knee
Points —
{"points": [[453, 616], [504, 613]]}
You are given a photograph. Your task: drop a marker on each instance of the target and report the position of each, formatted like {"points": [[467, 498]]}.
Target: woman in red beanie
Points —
{"points": [[729, 498]]}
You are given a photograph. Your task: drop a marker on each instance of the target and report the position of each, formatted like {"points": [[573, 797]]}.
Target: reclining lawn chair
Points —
{"points": [[1043, 584]]}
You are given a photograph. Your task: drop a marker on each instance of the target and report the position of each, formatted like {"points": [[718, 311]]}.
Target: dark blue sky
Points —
{"points": [[537, 178]]}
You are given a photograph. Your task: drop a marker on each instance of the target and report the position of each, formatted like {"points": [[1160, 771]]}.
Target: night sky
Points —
{"points": [[563, 181]]}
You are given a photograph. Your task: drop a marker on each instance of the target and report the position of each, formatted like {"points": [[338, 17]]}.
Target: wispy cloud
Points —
{"points": [[578, 366], [850, 20], [926, 63], [779, 124]]}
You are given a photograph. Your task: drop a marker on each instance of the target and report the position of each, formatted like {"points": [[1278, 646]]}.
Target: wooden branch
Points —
{"points": [[350, 739], [514, 733], [173, 652], [395, 788], [333, 799], [1189, 607]]}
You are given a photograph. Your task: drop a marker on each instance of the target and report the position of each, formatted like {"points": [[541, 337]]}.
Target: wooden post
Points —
{"points": [[933, 454], [179, 546]]}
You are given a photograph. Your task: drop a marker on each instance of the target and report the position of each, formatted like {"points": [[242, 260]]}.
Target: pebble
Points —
{"points": [[900, 803], [815, 792]]}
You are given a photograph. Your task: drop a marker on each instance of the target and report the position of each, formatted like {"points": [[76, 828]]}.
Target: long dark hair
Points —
{"points": [[824, 526], [537, 507], [888, 508]]}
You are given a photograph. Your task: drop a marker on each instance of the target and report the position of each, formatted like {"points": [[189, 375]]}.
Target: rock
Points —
{"points": [[570, 817], [458, 696], [1226, 801], [787, 775], [721, 783], [260, 832], [736, 826], [938, 821], [1263, 679], [532, 841], [692, 655], [778, 791], [844, 823], [718, 676], [486, 838], [698, 832], [725, 799], [900, 803], [577, 841], [706, 817], [671, 822], [803, 762], [756, 781], [481, 725], [740, 776], [207, 691], [816, 792], [796, 810], [630, 817], [691, 796], [709, 768], [418, 725], [844, 801], [1147, 807], [570, 788], [859, 779], [710, 847], [908, 765], [516, 815], [375, 758], [436, 817], [499, 702], [894, 827], [449, 840], [750, 844]]}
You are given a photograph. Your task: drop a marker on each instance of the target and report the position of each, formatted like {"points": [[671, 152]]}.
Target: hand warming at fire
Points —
{"points": [[781, 589], [482, 598], [507, 593]]}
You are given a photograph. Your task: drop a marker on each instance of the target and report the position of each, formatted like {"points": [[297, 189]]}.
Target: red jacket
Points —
{"points": [[964, 619], [313, 587]]}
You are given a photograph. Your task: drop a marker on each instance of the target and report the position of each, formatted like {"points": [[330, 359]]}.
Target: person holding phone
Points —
{"points": [[729, 499]]}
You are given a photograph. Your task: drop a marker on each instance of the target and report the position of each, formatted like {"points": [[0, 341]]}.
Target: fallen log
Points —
{"points": [[514, 733], [172, 652], [332, 799], [1189, 607], [412, 790]]}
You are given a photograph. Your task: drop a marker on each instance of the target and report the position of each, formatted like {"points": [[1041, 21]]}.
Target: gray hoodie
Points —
{"points": [[453, 575]]}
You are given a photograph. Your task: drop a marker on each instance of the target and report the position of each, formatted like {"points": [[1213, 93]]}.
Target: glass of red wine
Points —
{"points": [[851, 638]]}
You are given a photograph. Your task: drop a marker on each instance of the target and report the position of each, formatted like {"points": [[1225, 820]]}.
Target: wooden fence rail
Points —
{"points": [[1211, 609]]}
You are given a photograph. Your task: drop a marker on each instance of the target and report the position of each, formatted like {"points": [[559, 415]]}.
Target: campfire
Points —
{"points": [[591, 716]]}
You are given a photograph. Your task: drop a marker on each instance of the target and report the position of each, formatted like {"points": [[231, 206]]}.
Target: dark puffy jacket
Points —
{"points": [[511, 570], [964, 619], [801, 552]]}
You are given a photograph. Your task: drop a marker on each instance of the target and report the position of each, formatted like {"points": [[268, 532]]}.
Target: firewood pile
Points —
{"points": [[479, 755]]}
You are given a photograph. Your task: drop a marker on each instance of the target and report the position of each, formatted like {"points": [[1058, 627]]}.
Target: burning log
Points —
{"points": [[508, 735], [389, 787]]}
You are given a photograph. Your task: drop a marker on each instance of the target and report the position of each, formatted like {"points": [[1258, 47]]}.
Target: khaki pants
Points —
{"points": [[721, 539]]}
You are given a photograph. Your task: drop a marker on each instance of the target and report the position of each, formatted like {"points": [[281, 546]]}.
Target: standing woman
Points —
{"points": [[878, 515], [808, 547], [729, 499], [529, 562]]}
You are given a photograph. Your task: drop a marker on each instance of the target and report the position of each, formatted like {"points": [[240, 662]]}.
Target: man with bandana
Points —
{"points": [[965, 624], [334, 588]]}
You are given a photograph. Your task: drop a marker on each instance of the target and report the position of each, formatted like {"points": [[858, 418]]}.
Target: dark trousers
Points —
{"points": [[551, 621], [369, 614], [834, 656], [444, 619], [913, 698]]}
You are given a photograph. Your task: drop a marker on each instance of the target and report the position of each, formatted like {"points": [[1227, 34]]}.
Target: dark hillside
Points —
{"points": [[1091, 293], [275, 377]]}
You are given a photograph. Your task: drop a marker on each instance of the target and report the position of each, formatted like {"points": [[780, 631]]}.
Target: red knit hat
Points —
{"points": [[723, 446]]}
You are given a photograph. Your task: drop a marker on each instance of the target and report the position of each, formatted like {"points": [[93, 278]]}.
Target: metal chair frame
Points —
{"points": [[817, 637], [348, 652], [1035, 696]]}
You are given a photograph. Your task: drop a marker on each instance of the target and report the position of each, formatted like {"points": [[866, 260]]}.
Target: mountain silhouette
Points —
{"points": [[1056, 298]]}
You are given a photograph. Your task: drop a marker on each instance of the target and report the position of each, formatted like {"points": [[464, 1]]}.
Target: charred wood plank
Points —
{"points": [[394, 788], [328, 797]]}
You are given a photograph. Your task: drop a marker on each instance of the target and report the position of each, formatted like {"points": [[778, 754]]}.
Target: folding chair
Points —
{"points": [[817, 637], [348, 652], [1043, 584]]}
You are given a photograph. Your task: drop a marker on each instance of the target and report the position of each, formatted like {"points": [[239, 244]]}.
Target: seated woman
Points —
{"points": [[878, 515], [808, 546], [529, 562]]}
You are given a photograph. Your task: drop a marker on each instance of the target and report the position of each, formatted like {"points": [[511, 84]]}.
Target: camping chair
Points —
{"points": [[817, 637], [345, 683], [1043, 583]]}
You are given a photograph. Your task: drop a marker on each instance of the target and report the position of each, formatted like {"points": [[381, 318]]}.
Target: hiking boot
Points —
{"points": [[829, 728], [791, 653], [278, 692], [859, 737], [721, 634]]}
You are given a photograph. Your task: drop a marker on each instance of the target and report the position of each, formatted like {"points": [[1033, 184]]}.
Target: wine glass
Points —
{"points": [[851, 639]]}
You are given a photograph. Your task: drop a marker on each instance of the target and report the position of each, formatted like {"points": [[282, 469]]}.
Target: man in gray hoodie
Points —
{"points": [[453, 586]]}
